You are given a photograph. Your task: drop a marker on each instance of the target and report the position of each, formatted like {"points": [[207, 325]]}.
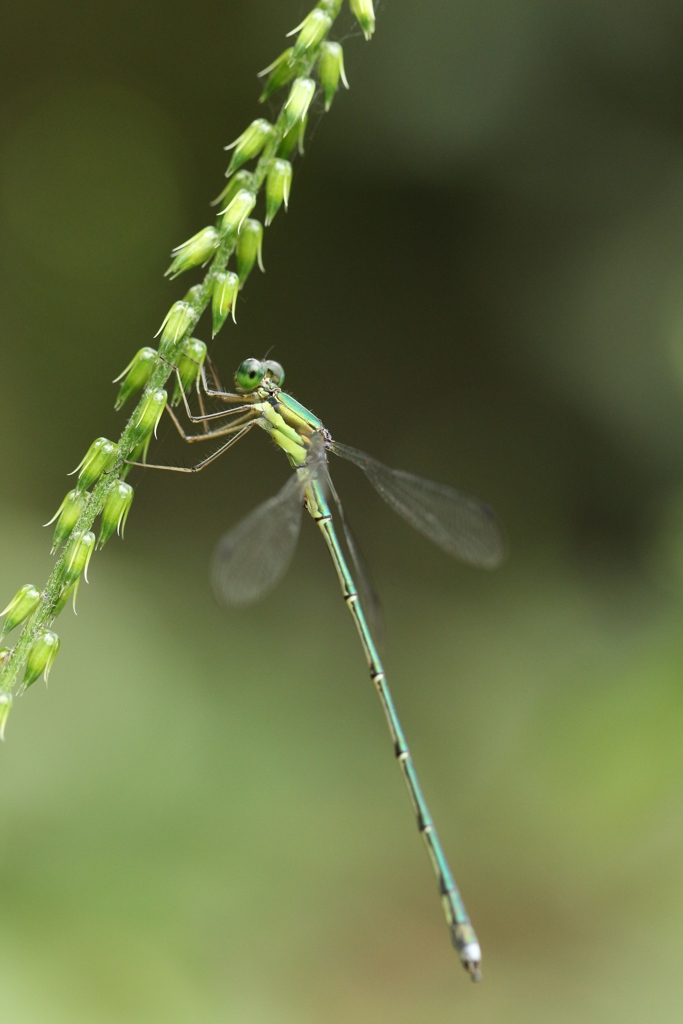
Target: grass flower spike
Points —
{"points": [[269, 146]]}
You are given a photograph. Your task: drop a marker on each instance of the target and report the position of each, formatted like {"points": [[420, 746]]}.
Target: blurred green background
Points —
{"points": [[480, 279]]}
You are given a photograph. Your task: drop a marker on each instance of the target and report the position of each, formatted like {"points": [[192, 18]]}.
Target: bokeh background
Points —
{"points": [[480, 279]]}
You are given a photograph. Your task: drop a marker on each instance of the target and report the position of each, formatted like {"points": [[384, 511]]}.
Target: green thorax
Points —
{"points": [[290, 425]]}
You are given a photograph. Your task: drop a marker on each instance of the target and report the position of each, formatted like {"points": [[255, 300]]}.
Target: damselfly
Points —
{"points": [[254, 555]]}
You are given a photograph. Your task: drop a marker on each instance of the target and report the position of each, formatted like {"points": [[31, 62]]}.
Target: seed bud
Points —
{"points": [[282, 70], [294, 137], [237, 211], [298, 102], [249, 248], [278, 184], [250, 143], [99, 458], [136, 374], [239, 181], [77, 556], [115, 511], [195, 251], [151, 411], [313, 30], [67, 515], [22, 605], [330, 70], [177, 323], [225, 290], [41, 657], [365, 15], [192, 356]]}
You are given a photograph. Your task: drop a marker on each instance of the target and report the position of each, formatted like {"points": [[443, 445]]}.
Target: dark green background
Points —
{"points": [[480, 278]]}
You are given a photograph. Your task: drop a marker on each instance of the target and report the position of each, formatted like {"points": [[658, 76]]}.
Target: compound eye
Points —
{"points": [[274, 370], [249, 374]]}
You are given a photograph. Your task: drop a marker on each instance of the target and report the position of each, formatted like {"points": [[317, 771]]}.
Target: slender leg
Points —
{"points": [[462, 933], [205, 462], [209, 434]]}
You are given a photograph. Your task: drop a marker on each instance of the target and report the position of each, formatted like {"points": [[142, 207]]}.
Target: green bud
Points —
{"points": [[331, 69], [278, 184], [136, 374], [67, 515], [41, 657], [192, 356], [5, 708], [115, 511], [194, 251], [77, 555], [365, 15], [237, 210], [66, 593], [239, 181], [298, 102], [151, 411], [250, 143], [313, 30], [177, 323], [99, 458], [224, 297], [281, 71], [294, 137], [249, 248], [23, 604]]}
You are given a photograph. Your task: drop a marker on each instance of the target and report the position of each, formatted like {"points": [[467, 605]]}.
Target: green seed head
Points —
{"points": [[178, 322], [5, 708], [298, 102], [77, 555], [249, 374], [67, 515], [99, 458], [330, 70], [239, 181], [278, 185], [151, 411], [313, 30], [281, 71], [192, 356], [66, 593], [41, 657], [365, 15], [115, 511], [195, 251], [250, 143], [136, 374], [22, 605], [293, 138], [225, 290], [237, 211], [249, 248]]}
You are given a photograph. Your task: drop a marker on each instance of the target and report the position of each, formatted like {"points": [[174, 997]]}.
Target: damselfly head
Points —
{"points": [[249, 374]]}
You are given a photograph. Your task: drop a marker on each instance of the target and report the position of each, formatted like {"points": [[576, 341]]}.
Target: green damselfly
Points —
{"points": [[254, 555]]}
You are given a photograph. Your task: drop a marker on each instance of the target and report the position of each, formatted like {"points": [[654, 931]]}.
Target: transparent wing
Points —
{"points": [[366, 590], [461, 525], [254, 556]]}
